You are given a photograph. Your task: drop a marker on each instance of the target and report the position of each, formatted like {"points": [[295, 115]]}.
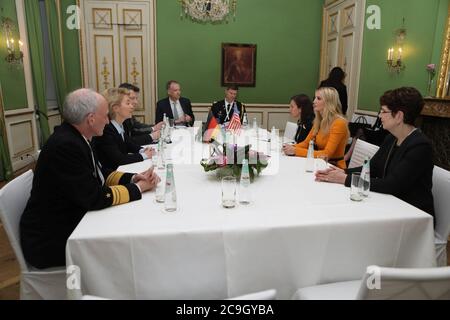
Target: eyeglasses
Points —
{"points": [[383, 111]]}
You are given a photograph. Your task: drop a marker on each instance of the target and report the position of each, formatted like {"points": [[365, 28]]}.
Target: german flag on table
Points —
{"points": [[213, 128]]}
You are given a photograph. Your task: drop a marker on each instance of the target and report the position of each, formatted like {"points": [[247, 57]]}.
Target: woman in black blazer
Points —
{"points": [[403, 166], [114, 147], [301, 107]]}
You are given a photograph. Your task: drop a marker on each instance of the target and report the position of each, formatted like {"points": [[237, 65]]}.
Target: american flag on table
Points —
{"points": [[235, 124]]}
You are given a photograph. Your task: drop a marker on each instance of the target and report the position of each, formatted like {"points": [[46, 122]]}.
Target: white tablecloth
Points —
{"points": [[296, 233]]}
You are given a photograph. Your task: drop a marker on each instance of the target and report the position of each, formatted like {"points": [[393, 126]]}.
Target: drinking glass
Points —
{"points": [[229, 192], [321, 162], [355, 188], [274, 139], [364, 187], [161, 186]]}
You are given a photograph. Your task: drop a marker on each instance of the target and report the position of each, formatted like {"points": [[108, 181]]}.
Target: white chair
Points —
{"points": [[385, 284], [361, 151], [34, 283], [441, 195], [261, 295], [290, 130]]}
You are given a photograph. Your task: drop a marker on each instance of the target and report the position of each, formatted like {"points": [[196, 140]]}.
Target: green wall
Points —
{"points": [[425, 23], [287, 34], [12, 77], [71, 48]]}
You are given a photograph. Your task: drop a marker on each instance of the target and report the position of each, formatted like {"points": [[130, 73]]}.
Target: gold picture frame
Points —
{"points": [[443, 85], [238, 64]]}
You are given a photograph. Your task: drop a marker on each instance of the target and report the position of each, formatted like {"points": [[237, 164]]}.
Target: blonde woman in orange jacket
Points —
{"points": [[330, 129]]}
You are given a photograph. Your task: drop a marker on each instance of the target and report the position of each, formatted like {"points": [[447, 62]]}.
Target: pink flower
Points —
{"points": [[431, 68], [221, 161]]}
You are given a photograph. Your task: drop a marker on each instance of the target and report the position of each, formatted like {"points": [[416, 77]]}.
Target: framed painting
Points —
{"points": [[238, 64]]}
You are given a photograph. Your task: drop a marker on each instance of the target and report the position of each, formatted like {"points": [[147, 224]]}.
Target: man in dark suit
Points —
{"points": [[138, 132], [223, 110], [175, 106], [68, 181]]}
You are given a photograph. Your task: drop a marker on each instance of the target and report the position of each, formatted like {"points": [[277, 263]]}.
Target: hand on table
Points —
{"points": [[289, 149], [146, 180], [332, 175]]}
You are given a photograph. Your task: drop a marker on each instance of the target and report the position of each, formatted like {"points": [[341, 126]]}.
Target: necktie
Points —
{"points": [[175, 112]]}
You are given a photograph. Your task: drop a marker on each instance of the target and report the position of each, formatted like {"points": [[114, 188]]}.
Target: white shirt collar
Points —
{"points": [[118, 127]]}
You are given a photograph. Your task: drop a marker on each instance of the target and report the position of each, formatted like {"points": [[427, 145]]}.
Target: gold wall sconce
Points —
{"points": [[14, 46], [394, 60]]}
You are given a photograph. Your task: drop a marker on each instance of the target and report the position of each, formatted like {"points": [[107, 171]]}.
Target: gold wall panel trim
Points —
{"points": [[127, 24], [349, 16], [142, 85], [333, 23], [105, 73], [97, 25], [97, 73], [25, 151]]}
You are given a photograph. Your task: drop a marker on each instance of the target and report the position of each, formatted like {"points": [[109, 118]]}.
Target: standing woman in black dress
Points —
{"points": [[336, 80]]}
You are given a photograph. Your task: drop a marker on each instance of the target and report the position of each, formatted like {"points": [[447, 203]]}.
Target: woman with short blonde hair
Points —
{"points": [[329, 132], [114, 97], [114, 147]]}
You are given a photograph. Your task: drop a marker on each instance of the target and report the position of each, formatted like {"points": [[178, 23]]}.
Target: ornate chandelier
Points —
{"points": [[209, 10]]}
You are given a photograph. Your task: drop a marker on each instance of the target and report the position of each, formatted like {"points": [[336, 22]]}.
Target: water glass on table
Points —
{"points": [[355, 188], [161, 186], [321, 162], [364, 187], [229, 192]]}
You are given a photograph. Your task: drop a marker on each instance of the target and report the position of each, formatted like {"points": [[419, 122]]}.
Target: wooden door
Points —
{"points": [[343, 24], [119, 37]]}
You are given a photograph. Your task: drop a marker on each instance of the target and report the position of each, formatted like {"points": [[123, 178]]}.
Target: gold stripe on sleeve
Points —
{"points": [[114, 178], [114, 195], [120, 194]]}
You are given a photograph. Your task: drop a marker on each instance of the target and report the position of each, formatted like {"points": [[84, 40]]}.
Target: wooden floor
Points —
{"points": [[10, 271]]}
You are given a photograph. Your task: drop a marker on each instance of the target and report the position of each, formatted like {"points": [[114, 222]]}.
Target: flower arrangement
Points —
{"points": [[228, 161], [431, 68]]}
